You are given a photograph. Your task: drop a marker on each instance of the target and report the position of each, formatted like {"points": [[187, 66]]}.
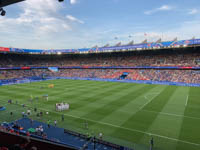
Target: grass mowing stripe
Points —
{"points": [[165, 124], [191, 126], [98, 100], [87, 90], [111, 107], [147, 102], [35, 86], [142, 121], [123, 112], [74, 97], [13, 95], [99, 96], [27, 95], [38, 88], [160, 100], [16, 109], [50, 102], [64, 95], [189, 130], [193, 105]]}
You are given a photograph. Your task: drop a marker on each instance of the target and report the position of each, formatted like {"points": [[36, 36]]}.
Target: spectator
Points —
{"points": [[62, 117], [23, 143], [55, 123]]}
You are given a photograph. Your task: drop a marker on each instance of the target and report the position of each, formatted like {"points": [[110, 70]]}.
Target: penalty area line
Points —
{"points": [[147, 101], [186, 100], [171, 114]]}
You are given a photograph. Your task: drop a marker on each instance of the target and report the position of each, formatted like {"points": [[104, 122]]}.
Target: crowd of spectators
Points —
{"points": [[185, 76], [184, 58], [22, 144], [11, 74], [146, 58]]}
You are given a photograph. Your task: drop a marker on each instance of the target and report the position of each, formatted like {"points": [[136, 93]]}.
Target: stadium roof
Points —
{"points": [[4, 3], [107, 48]]}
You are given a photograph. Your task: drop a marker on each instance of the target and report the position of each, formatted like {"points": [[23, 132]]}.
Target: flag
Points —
{"points": [[107, 45], [159, 40], [118, 44], [130, 43], [175, 39], [145, 41]]}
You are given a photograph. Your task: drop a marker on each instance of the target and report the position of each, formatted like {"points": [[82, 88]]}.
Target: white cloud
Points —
{"points": [[72, 18], [73, 1], [47, 28], [186, 30], [148, 12], [162, 8], [37, 16], [165, 7], [66, 26], [193, 11], [40, 25], [37, 19]]}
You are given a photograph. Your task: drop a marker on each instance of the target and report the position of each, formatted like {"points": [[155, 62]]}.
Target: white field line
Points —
{"points": [[186, 101], [134, 130], [153, 93], [145, 104], [147, 101], [171, 114]]}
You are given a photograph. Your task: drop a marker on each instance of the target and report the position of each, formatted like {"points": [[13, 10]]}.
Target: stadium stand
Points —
{"points": [[54, 139], [175, 66], [10, 141], [181, 57], [161, 66]]}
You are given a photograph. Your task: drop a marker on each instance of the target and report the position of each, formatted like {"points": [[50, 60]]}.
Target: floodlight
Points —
{"points": [[2, 12]]}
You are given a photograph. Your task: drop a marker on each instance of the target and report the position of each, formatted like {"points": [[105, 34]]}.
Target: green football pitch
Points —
{"points": [[126, 113]]}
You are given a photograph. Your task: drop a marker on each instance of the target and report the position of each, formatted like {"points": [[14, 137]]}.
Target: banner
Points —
{"points": [[4, 49], [56, 69]]}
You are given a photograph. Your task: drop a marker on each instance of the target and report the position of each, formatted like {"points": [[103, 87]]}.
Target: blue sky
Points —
{"points": [[48, 24]]}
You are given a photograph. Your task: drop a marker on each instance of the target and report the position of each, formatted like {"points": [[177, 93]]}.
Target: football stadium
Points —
{"points": [[135, 96]]}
